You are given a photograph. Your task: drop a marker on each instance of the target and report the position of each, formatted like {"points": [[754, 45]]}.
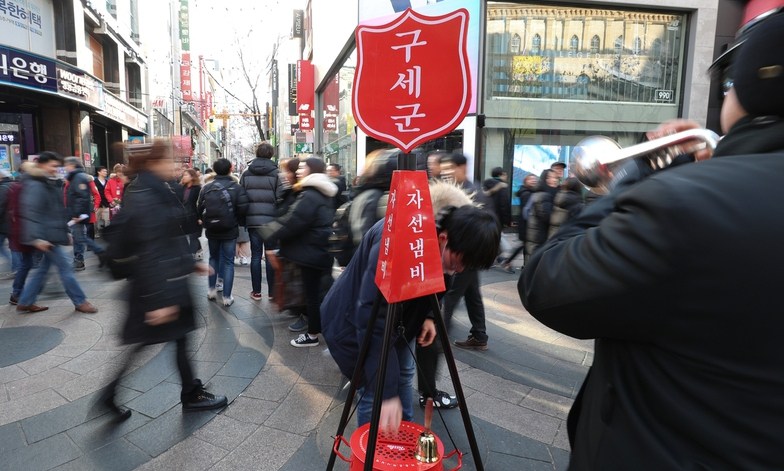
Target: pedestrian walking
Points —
{"points": [[530, 182], [102, 213], [221, 206], [265, 191], [115, 188], [303, 234], [80, 203], [671, 273], [160, 307], [44, 225], [540, 208], [5, 185], [188, 191]]}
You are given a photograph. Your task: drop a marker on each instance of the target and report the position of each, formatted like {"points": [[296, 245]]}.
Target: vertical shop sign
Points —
{"points": [[331, 105], [185, 29], [185, 77], [292, 89], [305, 94]]}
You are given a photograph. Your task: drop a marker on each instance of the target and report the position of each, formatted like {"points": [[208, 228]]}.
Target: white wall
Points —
{"points": [[333, 22]]}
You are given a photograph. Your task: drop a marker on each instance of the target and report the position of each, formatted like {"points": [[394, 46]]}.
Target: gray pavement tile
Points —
{"points": [[303, 409], [212, 351], [12, 373], [192, 454], [548, 403], [308, 457], [243, 364], [525, 356], [265, 450], [29, 406], [162, 433], [503, 441], [43, 455], [321, 369], [42, 363], [157, 400], [118, 455], [498, 388], [62, 418], [273, 383], [18, 344], [89, 360], [560, 459], [499, 461], [11, 437], [90, 382], [153, 372], [102, 430], [51, 379], [250, 410], [561, 440], [517, 419], [225, 432]]}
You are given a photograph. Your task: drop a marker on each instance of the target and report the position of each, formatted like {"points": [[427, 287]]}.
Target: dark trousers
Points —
{"points": [[427, 362], [257, 248], [311, 284], [466, 285]]}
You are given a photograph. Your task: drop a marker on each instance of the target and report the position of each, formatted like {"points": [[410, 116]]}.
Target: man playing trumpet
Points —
{"points": [[672, 272]]}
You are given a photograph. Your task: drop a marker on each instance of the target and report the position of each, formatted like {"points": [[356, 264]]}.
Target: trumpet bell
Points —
{"points": [[586, 160]]}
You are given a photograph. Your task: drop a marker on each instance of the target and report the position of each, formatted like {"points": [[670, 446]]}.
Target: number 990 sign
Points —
{"points": [[664, 95]]}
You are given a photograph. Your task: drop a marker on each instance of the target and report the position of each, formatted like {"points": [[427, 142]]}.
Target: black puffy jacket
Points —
{"points": [[264, 189], [539, 218], [303, 232], [79, 196], [239, 201]]}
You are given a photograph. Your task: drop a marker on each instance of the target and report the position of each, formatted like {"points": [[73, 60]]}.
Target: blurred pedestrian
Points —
{"points": [[567, 204], [265, 190], [102, 214], [530, 182], [5, 185], [335, 175], [80, 204], [44, 225], [160, 307], [25, 255], [188, 192], [540, 208], [114, 188], [303, 234]]}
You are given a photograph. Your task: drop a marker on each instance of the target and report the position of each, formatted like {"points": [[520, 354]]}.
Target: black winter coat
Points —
{"points": [[539, 218], [42, 210], [191, 225], [303, 232], [160, 279], [239, 202], [497, 192], [674, 276], [79, 195], [522, 224], [265, 191], [566, 206], [5, 185]]}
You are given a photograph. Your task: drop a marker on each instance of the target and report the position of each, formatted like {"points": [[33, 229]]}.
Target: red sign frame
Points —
{"points": [[305, 95], [392, 60]]}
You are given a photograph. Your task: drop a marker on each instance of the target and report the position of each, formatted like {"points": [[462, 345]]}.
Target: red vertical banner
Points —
{"points": [[305, 94], [409, 260], [185, 77], [331, 105]]}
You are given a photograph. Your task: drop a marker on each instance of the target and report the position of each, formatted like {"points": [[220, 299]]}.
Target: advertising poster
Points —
{"points": [[535, 158], [28, 25]]}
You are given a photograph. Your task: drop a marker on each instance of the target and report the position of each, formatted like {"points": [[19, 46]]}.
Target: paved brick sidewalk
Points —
{"points": [[285, 401]]}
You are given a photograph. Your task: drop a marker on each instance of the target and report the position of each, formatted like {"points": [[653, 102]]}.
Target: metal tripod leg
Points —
{"points": [[450, 362], [352, 390]]}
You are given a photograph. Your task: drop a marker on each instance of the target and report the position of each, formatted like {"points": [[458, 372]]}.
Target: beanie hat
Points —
{"points": [[757, 70]]}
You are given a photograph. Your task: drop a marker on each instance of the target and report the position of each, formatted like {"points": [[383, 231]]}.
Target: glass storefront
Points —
{"points": [[338, 128], [556, 74]]}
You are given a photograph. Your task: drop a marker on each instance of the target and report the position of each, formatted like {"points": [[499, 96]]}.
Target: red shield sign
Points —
{"points": [[412, 82]]}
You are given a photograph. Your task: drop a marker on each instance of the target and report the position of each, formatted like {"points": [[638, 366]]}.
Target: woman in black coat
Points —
{"points": [[188, 193], [303, 234], [567, 204], [160, 308], [541, 209]]}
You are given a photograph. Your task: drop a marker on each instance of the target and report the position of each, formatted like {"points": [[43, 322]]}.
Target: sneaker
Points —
{"points": [[198, 255], [78, 266], [299, 325], [31, 308], [471, 343], [86, 308], [212, 294], [236, 260], [305, 340], [202, 400], [255, 296], [219, 285], [244, 261], [442, 400], [13, 300], [228, 301]]}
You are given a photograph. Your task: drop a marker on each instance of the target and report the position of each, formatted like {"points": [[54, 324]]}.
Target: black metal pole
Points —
{"points": [[378, 396], [355, 378], [450, 363]]}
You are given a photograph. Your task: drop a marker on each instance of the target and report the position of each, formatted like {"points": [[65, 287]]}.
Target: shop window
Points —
{"points": [[536, 45], [514, 44], [595, 44], [574, 44]]}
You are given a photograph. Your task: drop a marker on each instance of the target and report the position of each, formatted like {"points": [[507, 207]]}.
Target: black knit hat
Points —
{"points": [[757, 70]]}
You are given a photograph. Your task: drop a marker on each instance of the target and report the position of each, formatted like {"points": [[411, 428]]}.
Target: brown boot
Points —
{"points": [[31, 308], [87, 308]]}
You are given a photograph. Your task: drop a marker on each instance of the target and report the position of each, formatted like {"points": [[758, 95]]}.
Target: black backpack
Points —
{"points": [[218, 209], [341, 241]]}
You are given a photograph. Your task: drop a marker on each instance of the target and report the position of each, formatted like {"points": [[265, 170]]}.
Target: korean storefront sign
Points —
{"points": [[26, 70], [292, 89], [413, 80], [78, 85], [123, 113], [185, 77], [331, 105], [409, 260], [28, 25], [185, 29], [305, 95]]}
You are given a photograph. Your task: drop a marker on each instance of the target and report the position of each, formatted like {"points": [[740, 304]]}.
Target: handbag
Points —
{"points": [[289, 291]]}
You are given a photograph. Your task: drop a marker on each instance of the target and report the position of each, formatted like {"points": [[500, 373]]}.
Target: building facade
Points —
{"points": [[72, 79]]}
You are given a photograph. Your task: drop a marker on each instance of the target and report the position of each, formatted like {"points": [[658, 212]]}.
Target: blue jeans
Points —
{"points": [[16, 260], [257, 248], [80, 239], [405, 388], [4, 252], [55, 256], [222, 263], [25, 260]]}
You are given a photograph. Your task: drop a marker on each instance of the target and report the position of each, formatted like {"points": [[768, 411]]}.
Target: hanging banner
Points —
{"points": [[185, 28], [409, 261], [292, 89], [305, 94], [330, 105], [185, 77], [413, 81]]}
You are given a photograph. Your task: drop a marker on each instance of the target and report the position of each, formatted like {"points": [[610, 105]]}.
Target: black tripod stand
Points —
{"points": [[392, 316]]}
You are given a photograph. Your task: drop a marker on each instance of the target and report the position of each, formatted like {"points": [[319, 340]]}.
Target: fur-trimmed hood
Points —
{"points": [[443, 194], [35, 171], [319, 181]]}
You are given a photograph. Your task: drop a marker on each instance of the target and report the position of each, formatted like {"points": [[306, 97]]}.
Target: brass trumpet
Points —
{"points": [[594, 157]]}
